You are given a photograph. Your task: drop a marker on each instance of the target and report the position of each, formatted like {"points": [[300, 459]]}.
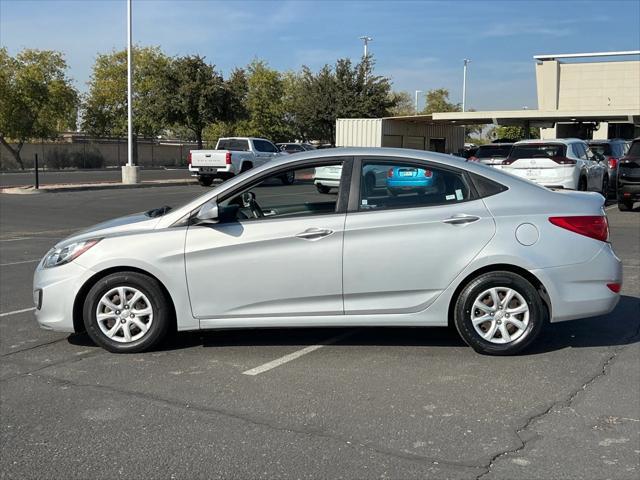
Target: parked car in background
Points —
{"points": [[560, 163], [232, 156], [410, 179], [251, 255], [492, 154], [611, 151], [628, 184], [295, 147]]}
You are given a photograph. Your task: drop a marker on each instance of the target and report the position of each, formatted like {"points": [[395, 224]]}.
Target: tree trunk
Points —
{"points": [[15, 152], [199, 139]]}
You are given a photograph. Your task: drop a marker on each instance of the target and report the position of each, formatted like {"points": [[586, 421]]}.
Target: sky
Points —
{"points": [[420, 45]]}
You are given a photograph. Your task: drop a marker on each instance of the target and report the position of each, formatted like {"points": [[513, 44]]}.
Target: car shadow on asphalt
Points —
{"points": [[620, 327]]}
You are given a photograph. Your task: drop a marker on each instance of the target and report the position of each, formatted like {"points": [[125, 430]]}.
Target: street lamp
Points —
{"points": [[366, 39], [129, 171], [464, 83], [417, 92]]}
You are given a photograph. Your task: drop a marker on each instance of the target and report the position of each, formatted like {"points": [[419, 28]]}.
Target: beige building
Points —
{"points": [[577, 97]]}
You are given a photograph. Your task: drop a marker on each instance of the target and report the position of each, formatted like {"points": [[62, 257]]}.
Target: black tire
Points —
{"points": [[625, 206], [205, 181], [393, 192], [605, 187], [288, 178], [150, 287], [322, 188], [246, 166], [582, 184], [501, 279]]}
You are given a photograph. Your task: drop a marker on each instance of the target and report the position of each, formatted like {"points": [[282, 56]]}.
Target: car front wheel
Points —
{"points": [[322, 188], [126, 312], [499, 313]]}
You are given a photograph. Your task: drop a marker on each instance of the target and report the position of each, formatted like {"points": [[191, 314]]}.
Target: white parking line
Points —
{"points": [[19, 263], [611, 206], [292, 356], [15, 312]]}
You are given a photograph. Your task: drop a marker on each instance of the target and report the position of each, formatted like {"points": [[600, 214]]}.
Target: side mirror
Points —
{"points": [[208, 213]]}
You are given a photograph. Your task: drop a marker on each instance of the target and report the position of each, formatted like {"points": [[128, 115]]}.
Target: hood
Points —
{"points": [[137, 222]]}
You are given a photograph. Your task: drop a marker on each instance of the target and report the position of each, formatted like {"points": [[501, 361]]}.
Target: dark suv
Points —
{"points": [[628, 186], [610, 151]]}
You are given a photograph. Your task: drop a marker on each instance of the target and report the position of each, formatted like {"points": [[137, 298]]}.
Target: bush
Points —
{"points": [[58, 159]]}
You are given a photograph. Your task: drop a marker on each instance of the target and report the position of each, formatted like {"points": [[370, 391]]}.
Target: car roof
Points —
{"points": [[561, 141], [606, 140], [501, 144]]}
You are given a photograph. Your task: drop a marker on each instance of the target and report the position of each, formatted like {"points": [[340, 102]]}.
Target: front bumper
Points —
{"points": [[55, 290], [580, 290]]}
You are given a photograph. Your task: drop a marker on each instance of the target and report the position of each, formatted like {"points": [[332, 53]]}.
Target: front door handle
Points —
{"points": [[314, 233], [461, 219]]}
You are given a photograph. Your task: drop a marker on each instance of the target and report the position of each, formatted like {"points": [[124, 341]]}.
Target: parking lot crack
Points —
{"points": [[565, 402], [348, 441]]}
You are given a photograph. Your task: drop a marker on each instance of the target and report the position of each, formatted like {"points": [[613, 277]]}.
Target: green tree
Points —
{"points": [[37, 99], [105, 107], [437, 100], [514, 133], [404, 104], [264, 102], [194, 96]]}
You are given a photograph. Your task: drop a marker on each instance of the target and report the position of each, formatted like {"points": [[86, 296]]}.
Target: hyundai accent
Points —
{"points": [[495, 255]]}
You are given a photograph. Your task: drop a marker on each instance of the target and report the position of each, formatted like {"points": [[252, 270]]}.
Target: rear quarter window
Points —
{"points": [[486, 187]]}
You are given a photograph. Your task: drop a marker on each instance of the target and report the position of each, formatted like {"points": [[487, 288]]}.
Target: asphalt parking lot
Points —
{"points": [[357, 403]]}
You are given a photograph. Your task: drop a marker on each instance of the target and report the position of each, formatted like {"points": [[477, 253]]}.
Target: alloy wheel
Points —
{"points": [[124, 314], [500, 315]]}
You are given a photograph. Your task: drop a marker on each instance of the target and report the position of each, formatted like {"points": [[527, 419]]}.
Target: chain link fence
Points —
{"points": [[86, 153]]}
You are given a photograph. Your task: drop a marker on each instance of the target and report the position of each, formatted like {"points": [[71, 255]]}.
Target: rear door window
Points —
{"points": [[387, 185]]}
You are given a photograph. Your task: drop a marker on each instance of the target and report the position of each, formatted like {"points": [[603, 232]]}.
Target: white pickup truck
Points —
{"points": [[232, 156]]}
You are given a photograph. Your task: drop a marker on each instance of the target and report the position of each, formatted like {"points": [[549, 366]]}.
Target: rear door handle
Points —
{"points": [[314, 233], [461, 219]]}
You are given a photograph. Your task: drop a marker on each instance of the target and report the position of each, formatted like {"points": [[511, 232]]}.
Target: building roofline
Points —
{"points": [[587, 55]]}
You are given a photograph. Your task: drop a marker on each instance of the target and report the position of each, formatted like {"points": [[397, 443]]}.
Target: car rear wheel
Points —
{"points": [[499, 313], [625, 206], [126, 312], [322, 188], [582, 184], [205, 181]]}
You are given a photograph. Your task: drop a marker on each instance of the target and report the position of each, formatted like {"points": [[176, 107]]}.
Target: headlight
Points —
{"points": [[66, 254]]}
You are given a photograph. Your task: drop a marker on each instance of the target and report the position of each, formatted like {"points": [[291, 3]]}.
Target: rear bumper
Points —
{"points": [[628, 191], [562, 178], [327, 182], [212, 171], [580, 290]]}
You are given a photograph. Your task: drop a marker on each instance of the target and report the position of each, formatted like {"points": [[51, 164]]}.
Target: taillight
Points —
{"points": [[390, 173], [614, 287], [592, 226], [227, 158], [564, 160], [189, 159], [613, 162], [472, 158], [427, 173]]}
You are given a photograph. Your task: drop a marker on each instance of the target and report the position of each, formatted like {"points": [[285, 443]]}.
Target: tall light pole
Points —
{"points": [[366, 39], [464, 83], [129, 171], [417, 92]]}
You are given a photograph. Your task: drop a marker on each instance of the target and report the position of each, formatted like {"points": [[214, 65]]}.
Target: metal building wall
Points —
{"points": [[454, 136], [359, 132]]}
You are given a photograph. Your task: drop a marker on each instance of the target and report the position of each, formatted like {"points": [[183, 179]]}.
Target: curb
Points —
{"points": [[30, 190]]}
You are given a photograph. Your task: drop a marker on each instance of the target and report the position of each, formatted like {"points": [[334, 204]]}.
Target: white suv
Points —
{"points": [[559, 163]]}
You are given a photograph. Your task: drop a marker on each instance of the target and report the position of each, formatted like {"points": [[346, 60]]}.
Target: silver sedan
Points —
{"points": [[439, 242]]}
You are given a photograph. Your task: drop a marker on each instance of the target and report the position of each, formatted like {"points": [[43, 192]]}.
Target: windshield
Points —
{"points": [[601, 148], [488, 151], [634, 151], [538, 150]]}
